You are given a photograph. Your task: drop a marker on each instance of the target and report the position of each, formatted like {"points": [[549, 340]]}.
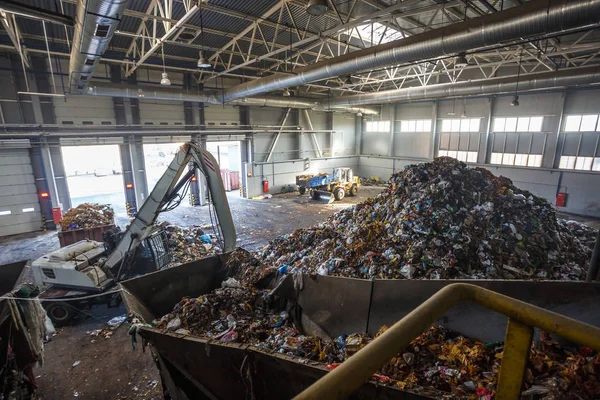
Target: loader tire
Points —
{"points": [[60, 313], [353, 190], [339, 193], [302, 190]]}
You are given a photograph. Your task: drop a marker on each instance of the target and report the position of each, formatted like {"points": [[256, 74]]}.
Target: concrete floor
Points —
{"points": [[256, 222]]}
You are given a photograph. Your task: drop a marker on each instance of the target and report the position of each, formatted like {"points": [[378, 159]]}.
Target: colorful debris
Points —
{"points": [[88, 215]]}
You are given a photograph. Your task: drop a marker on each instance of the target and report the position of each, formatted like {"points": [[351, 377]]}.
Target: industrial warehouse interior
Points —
{"points": [[309, 199]]}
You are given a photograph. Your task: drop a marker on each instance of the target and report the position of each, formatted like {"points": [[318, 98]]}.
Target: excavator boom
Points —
{"points": [[164, 191]]}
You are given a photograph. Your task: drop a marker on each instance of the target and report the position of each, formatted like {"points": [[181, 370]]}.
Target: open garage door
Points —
{"points": [[94, 175], [19, 203]]}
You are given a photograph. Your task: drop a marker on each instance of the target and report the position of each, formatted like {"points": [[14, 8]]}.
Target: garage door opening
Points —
{"points": [[157, 157], [229, 157], [94, 176]]}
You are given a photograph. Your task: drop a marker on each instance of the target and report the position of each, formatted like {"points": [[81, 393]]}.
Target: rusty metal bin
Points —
{"points": [[69, 237]]}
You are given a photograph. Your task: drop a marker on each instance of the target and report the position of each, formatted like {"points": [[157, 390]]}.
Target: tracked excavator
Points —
{"points": [[86, 268]]}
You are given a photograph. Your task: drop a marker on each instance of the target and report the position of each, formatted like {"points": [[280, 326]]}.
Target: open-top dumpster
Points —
{"points": [[194, 367], [197, 368]]}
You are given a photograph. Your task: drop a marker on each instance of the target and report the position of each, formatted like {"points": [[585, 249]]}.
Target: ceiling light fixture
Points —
{"points": [[461, 61], [286, 92], [165, 81], [203, 61], [515, 101], [359, 114], [317, 7]]}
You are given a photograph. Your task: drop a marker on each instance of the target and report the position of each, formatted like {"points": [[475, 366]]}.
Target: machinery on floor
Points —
{"points": [[90, 267], [326, 188]]}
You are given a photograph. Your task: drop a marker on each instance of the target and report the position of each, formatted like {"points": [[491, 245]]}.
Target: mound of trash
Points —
{"points": [[440, 220], [88, 215], [188, 244]]}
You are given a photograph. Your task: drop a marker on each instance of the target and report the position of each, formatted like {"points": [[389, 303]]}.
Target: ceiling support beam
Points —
{"points": [[12, 29], [158, 42]]}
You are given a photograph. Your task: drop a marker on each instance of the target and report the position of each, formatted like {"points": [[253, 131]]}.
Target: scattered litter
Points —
{"points": [[76, 394], [372, 181], [76, 363], [115, 322]]}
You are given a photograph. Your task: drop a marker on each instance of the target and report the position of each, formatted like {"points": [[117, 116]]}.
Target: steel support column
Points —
{"points": [[392, 128], [276, 138], [435, 136]]}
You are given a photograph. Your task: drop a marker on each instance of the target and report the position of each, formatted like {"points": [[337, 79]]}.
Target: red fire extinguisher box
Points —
{"points": [[57, 215], [265, 186], [561, 199]]}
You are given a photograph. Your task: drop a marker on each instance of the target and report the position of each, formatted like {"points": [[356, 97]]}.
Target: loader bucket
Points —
{"points": [[323, 196], [194, 367]]}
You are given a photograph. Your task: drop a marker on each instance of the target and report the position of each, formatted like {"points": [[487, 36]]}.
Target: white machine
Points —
{"points": [[92, 266]]}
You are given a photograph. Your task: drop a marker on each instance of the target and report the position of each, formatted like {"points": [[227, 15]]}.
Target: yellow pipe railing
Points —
{"points": [[354, 372]]}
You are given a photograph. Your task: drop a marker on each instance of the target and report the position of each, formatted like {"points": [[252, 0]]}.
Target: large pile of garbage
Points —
{"points": [[440, 220], [188, 244], [88, 215]]}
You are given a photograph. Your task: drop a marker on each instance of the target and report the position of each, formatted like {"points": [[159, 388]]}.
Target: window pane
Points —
{"points": [[521, 159], [427, 125], [588, 123], [442, 153], [511, 125], [386, 126], [567, 162], [499, 124], [572, 123], [412, 126], [455, 125], [535, 124], [419, 126], [535, 160], [596, 166], [461, 155], [472, 156], [584, 163], [404, 126], [464, 125], [523, 124], [508, 159], [496, 158], [369, 126], [474, 125], [446, 125], [452, 154]]}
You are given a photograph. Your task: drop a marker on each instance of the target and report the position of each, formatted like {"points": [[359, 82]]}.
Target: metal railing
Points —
{"points": [[522, 318]]}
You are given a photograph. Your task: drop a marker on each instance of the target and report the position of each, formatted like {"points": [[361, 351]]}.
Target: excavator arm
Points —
{"points": [[165, 191]]}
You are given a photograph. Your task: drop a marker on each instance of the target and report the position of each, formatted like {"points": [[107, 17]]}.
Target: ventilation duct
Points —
{"points": [[95, 24], [171, 95], [540, 81], [533, 19]]}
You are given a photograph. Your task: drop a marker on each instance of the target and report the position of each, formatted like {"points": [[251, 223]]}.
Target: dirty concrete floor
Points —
{"points": [[108, 368]]}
